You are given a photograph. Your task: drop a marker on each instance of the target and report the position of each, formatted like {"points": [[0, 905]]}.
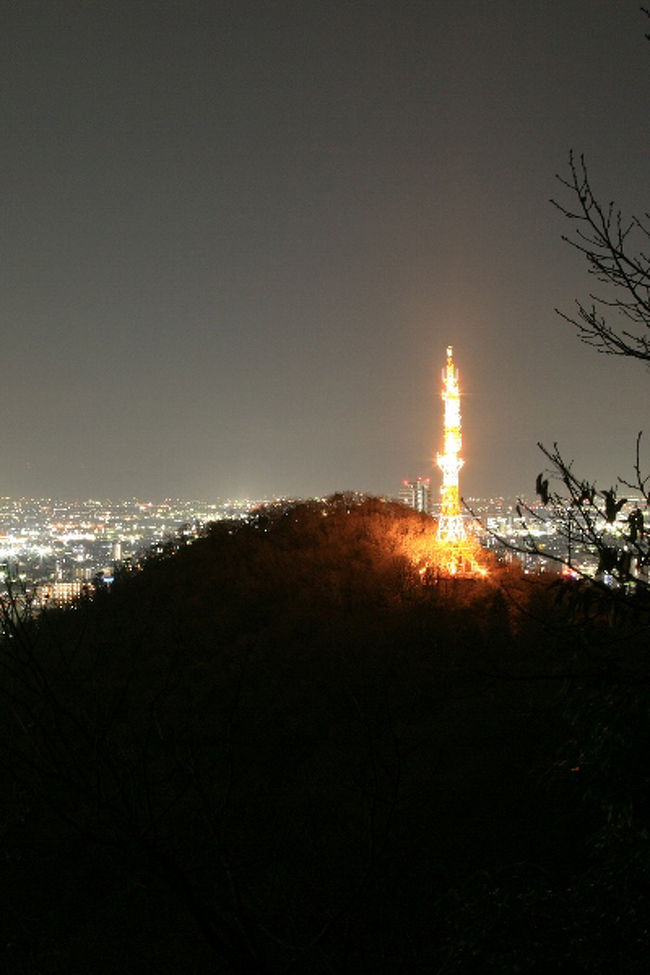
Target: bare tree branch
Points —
{"points": [[613, 246]]}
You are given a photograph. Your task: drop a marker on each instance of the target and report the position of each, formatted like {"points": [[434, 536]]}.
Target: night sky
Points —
{"points": [[238, 236]]}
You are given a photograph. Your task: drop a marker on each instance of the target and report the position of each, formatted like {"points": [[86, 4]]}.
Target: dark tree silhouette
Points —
{"points": [[271, 750], [615, 321]]}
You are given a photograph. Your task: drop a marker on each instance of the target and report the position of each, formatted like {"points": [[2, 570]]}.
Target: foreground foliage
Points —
{"points": [[275, 750]]}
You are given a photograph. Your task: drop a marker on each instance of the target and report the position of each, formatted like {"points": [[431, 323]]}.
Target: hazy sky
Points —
{"points": [[238, 237]]}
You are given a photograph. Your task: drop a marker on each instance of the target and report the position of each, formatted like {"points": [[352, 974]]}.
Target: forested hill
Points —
{"points": [[275, 750]]}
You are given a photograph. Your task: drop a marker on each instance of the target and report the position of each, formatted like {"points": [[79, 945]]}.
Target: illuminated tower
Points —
{"points": [[450, 524]]}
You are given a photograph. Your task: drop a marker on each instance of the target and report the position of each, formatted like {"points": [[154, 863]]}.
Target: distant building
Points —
{"points": [[417, 494], [59, 593]]}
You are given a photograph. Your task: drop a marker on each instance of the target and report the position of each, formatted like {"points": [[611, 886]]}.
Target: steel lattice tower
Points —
{"points": [[450, 524]]}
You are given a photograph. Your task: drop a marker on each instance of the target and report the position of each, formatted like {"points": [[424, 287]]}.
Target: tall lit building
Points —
{"points": [[417, 494]]}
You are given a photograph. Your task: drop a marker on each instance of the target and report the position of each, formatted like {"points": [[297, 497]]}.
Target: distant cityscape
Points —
{"points": [[57, 549]]}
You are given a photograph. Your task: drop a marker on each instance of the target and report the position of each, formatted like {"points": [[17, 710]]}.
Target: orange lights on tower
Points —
{"points": [[450, 523], [457, 550], [449, 548]]}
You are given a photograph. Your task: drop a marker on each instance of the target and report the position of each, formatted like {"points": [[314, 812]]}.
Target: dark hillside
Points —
{"points": [[274, 750]]}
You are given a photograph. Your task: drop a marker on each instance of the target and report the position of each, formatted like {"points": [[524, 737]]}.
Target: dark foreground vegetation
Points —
{"points": [[274, 750]]}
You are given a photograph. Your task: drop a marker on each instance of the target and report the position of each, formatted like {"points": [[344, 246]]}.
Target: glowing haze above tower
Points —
{"points": [[450, 522]]}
